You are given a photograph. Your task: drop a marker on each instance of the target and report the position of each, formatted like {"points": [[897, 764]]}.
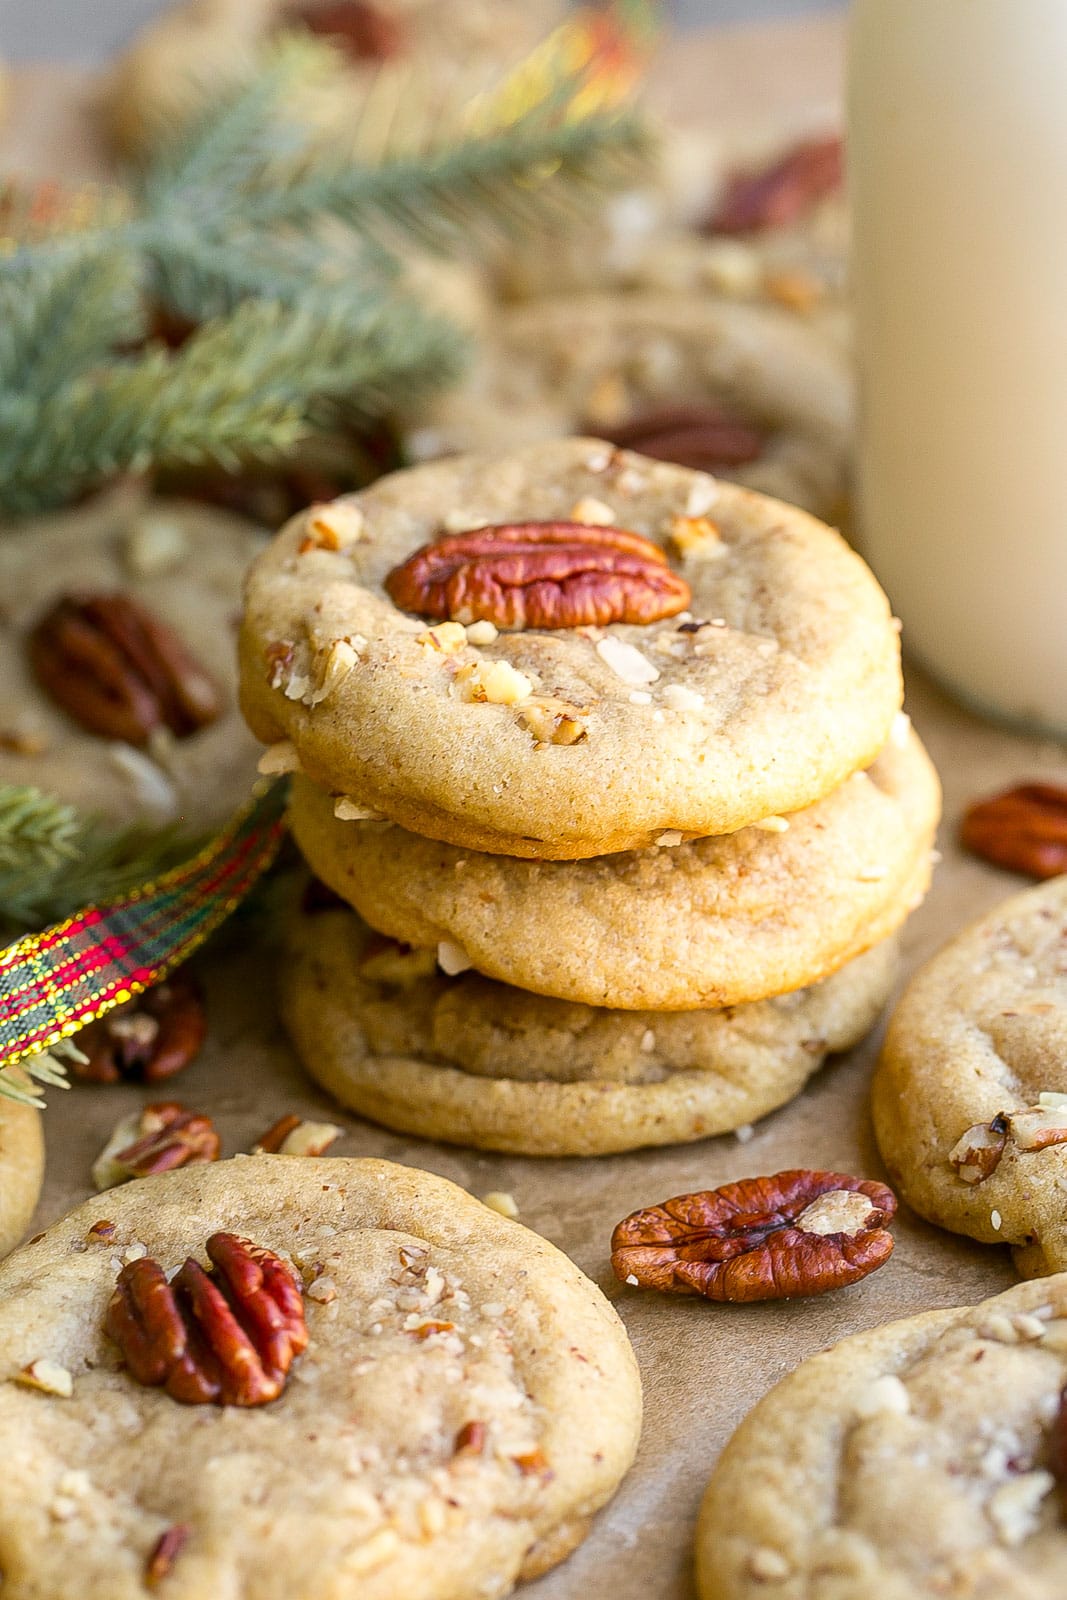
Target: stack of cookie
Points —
{"points": [[609, 756]]}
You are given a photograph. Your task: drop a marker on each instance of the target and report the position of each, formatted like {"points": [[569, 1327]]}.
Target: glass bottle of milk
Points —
{"points": [[958, 158]]}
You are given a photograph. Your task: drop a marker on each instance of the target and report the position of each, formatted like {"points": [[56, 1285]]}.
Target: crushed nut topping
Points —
{"points": [[493, 682], [293, 1136], [47, 1376], [697, 538], [626, 661], [345, 809], [452, 958], [592, 512], [444, 639], [554, 721], [334, 526], [279, 759], [499, 1200], [165, 1552], [885, 1396]]}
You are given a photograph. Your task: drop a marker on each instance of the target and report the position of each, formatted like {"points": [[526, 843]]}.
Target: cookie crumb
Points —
{"points": [[279, 759], [499, 1200], [670, 839], [772, 824], [885, 1396], [452, 958], [744, 1133], [626, 661], [680, 698], [345, 809]]}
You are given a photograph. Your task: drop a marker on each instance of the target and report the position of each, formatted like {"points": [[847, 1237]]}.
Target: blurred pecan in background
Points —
{"points": [[796, 1233], [1023, 829], [703, 437], [149, 1038], [227, 1336], [781, 193], [362, 30], [119, 671], [540, 575]]}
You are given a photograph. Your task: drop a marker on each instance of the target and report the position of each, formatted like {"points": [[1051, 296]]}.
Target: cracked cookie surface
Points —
{"points": [[790, 682], [467, 1399], [970, 1094], [911, 1462], [475, 1062]]}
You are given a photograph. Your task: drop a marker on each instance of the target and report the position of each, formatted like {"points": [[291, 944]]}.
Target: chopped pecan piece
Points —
{"points": [[783, 192], [364, 31], [159, 1138], [540, 575], [227, 1336], [118, 670], [471, 1438], [976, 1154], [1023, 829], [796, 1233], [704, 437], [150, 1038], [165, 1552], [293, 1136]]}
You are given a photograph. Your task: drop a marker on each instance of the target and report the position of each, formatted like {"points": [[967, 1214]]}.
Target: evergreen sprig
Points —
{"points": [[279, 248]]}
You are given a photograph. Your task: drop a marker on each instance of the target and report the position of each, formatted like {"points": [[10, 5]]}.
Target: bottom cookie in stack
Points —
{"points": [[471, 1061]]}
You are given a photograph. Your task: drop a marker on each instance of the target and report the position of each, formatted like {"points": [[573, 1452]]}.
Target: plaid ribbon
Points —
{"points": [[53, 983]]}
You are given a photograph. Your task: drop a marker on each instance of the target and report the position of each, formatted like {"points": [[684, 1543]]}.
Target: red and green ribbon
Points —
{"points": [[53, 983]]}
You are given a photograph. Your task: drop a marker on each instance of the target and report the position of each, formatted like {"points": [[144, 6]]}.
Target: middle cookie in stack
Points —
{"points": [[672, 955]]}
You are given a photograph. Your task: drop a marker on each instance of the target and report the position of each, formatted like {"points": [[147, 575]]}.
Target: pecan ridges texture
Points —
{"points": [[540, 575], [741, 1242], [226, 1336]]}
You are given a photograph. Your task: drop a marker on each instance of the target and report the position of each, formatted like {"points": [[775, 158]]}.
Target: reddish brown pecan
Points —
{"points": [[119, 671], [783, 192], [165, 1552], [796, 1233], [1023, 829], [540, 575], [150, 1038], [168, 1135], [705, 438], [471, 1439], [226, 1336], [364, 31]]}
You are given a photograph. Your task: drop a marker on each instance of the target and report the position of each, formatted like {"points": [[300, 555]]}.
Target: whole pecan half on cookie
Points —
{"points": [[540, 575], [796, 1233], [703, 437], [225, 1336], [119, 671], [1023, 829]]}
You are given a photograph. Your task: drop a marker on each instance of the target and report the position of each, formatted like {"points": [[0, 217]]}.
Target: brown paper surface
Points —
{"points": [[703, 1365]]}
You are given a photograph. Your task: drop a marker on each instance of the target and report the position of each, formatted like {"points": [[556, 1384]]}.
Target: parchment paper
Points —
{"points": [[704, 1366]]}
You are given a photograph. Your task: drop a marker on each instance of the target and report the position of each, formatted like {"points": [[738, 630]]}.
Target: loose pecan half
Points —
{"points": [[118, 670], [780, 193], [796, 1233], [1023, 829], [227, 1336], [540, 575], [157, 1139], [364, 31], [705, 438], [150, 1038]]}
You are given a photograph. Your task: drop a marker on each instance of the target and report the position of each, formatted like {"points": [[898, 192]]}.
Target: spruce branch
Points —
{"points": [[37, 832]]}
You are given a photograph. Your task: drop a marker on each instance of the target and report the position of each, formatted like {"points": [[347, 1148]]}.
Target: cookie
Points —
{"points": [[712, 922], [203, 47], [784, 680], [21, 1169], [184, 563], [596, 363], [467, 1399], [911, 1462], [475, 1062], [970, 1094]]}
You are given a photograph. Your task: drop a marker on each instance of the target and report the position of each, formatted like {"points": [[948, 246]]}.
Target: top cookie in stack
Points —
{"points": [[546, 710], [744, 667]]}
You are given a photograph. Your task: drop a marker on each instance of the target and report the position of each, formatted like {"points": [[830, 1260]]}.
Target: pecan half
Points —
{"points": [[540, 575], [364, 31], [119, 671], [157, 1139], [705, 438], [796, 1233], [227, 1336], [783, 192], [294, 1136], [1023, 829], [150, 1038]]}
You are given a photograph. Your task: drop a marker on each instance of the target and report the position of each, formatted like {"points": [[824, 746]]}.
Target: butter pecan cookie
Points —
{"points": [[744, 390], [575, 735], [970, 1094], [922, 1459], [459, 1402], [82, 717], [474, 1062], [712, 922], [199, 47], [21, 1169]]}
